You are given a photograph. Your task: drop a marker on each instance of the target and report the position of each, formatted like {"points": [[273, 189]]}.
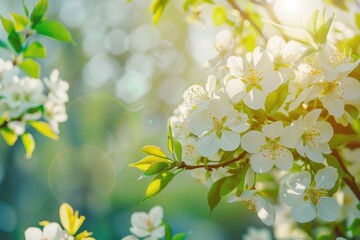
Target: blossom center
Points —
{"points": [[311, 137], [249, 204], [314, 195], [253, 78]]}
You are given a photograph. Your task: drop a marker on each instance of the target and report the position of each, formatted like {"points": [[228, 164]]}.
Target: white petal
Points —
{"points": [[328, 209], [235, 89], [139, 232], [158, 232], [210, 84], [291, 136], [303, 212], [261, 162], [156, 215], [333, 104], [237, 121], [200, 123], [130, 237], [271, 81], [326, 178], [255, 99], [291, 196], [138, 220], [284, 159], [52, 231], [248, 194], [276, 45], [273, 130], [235, 65], [311, 118], [351, 88], [265, 211], [314, 154], [253, 141], [33, 233], [325, 129], [229, 141], [208, 146]]}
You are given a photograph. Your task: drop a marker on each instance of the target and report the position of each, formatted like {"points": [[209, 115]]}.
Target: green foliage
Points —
{"points": [[355, 227], [38, 12], [339, 139], [170, 139], [319, 27], [276, 99], [332, 161], [168, 231], [30, 67], [153, 150], [178, 150], [44, 128], [219, 15], [158, 184], [9, 136], [339, 3], [179, 236], [53, 29], [35, 50], [156, 168], [20, 22], [29, 144], [357, 20], [3, 44], [157, 8], [190, 3], [15, 41], [7, 24]]}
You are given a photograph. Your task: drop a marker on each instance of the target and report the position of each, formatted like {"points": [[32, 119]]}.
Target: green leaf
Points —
{"points": [[153, 150], [170, 140], [357, 20], [213, 196], [355, 227], [156, 168], [146, 162], [29, 144], [324, 30], [352, 110], [38, 12], [35, 50], [229, 184], [158, 184], [178, 150], [7, 24], [157, 8], [53, 29], [339, 139], [168, 231], [20, 22], [44, 128], [179, 236], [356, 126], [276, 99], [26, 10], [3, 45], [15, 41], [219, 15], [9, 136], [30, 67]]}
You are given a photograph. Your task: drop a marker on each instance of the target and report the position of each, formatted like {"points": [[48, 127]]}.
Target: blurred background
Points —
{"points": [[126, 77]]}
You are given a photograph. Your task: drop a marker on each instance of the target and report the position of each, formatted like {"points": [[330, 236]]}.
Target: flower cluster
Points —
{"points": [[71, 223], [26, 100]]}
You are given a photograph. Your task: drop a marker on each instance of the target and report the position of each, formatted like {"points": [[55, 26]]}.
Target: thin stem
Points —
{"points": [[350, 182], [246, 16], [211, 166]]}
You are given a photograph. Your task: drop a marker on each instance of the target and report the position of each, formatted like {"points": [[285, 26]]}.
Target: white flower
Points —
{"points": [[57, 87], [190, 154], [257, 234], [258, 204], [207, 178], [254, 79], [51, 231], [310, 136], [268, 148], [218, 127], [144, 225], [55, 113], [310, 198]]}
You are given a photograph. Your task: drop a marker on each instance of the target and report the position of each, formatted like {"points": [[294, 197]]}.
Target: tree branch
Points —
{"points": [[212, 166], [246, 16], [351, 183]]}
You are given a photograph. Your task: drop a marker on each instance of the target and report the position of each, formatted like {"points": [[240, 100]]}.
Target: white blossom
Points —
{"points": [[254, 78], [257, 234], [151, 224], [51, 231], [309, 198], [57, 87]]}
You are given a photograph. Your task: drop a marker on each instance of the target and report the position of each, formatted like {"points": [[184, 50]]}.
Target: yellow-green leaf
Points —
{"points": [[156, 168], [38, 12], [158, 184], [53, 29], [357, 20], [157, 8], [146, 162], [30, 67], [35, 50], [219, 15], [20, 22], [153, 150], [44, 128], [9, 136], [29, 144], [7, 24]]}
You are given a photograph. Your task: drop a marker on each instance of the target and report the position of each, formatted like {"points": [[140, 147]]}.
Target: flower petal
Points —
{"points": [[351, 88], [208, 145], [271, 81], [255, 99], [33, 233], [314, 154], [283, 159], [235, 89], [326, 178], [156, 215], [325, 130], [261, 162], [303, 212], [252, 141], [229, 141], [158, 232], [273, 130], [310, 119], [328, 209], [333, 104], [265, 211]]}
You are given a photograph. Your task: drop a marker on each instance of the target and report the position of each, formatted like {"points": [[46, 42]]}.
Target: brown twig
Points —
{"points": [[211, 166], [350, 182], [246, 16]]}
